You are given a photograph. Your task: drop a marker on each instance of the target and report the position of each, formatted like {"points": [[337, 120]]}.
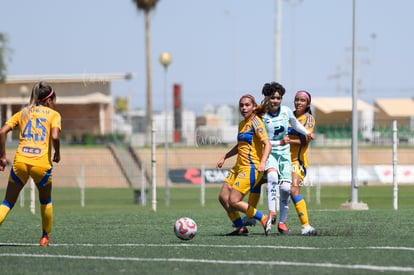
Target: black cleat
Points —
{"points": [[239, 232], [249, 221]]}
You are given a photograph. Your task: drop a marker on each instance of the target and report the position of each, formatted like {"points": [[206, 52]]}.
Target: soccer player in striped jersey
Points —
{"points": [[252, 150], [298, 150], [39, 126], [278, 166]]}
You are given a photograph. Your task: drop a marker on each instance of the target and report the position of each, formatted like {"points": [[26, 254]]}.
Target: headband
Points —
{"points": [[250, 97], [49, 95], [306, 94]]}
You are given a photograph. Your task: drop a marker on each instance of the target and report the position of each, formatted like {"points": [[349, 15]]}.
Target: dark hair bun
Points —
{"points": [[273, 87]]}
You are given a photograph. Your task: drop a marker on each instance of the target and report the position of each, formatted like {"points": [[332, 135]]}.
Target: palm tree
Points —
{"points": [[147, 6]]}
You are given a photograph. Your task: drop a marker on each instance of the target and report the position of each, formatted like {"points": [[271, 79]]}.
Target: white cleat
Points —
{"points": [[308, 230], [267, 225]]}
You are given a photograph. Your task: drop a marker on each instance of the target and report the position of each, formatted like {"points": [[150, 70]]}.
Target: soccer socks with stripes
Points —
{"points": [[253, 212], [46, 211], [235, 219], [4, 210], [271, 190], [301, 210]]}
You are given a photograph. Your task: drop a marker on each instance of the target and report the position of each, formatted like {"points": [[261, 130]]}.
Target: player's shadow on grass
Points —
{"points": [[278, 235], [256, 234]]}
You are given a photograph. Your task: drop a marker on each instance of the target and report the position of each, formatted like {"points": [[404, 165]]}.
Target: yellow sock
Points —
{"points": [[4, 210], [254, 199], [251, 211], [234, 215], [46, 211], [302, 212], [236, 219]]}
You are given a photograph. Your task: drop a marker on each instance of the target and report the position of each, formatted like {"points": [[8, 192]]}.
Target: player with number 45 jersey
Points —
{"points": [[39, 128], [34, 136]]}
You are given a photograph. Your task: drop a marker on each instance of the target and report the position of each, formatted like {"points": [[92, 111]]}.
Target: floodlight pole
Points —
{"points": [[354, 204], [394, 164], [24, 92], [278, 34], [165, 60], [153, 168], [354, 177]]}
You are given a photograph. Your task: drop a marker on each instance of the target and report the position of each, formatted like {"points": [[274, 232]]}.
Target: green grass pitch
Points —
{"points": [[113, 235]]}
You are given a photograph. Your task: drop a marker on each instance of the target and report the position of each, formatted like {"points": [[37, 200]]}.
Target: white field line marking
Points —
{"points": [[272, 263], [217, 246]]}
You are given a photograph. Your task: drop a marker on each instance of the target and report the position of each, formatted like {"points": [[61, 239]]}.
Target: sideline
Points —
{"points": [[181, 260], [215, 246]]}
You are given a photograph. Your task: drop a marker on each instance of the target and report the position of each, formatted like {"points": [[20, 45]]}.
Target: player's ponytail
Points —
{"points": [[40, 92], [262, 108]]}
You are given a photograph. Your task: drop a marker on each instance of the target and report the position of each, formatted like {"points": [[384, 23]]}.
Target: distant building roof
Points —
{"points": [[85, 99], [17, 79], [88, 96], [339, 104], [396, 107]]}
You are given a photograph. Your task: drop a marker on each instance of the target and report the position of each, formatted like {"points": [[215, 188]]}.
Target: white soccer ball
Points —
{"points": [[185, 228]]}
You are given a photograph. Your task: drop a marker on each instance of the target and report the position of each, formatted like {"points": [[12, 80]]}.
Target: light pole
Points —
{"points": [[354, 204], [165, 60], [278, 41], [24, 92]]}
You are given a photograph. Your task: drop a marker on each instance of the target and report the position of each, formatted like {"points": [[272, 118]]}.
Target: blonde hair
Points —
{"points": [[40, 91]]}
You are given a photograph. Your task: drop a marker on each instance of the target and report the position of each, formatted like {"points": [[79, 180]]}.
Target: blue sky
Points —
{"points": [[221, 49]]}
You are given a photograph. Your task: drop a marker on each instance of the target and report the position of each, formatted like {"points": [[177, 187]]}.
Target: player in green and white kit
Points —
{"points": [[279, 164]]}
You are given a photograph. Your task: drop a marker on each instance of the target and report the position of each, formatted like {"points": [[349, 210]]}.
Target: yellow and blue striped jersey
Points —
{"points": [[250, 139], [298, 151], [35, 141]]}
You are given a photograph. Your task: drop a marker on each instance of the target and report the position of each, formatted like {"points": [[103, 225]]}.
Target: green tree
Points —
{"points": [[3, 52], [147, 6]]}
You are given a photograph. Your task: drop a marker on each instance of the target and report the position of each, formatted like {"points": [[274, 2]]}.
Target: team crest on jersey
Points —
{"points": [[241, 175], [260, 130]]}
